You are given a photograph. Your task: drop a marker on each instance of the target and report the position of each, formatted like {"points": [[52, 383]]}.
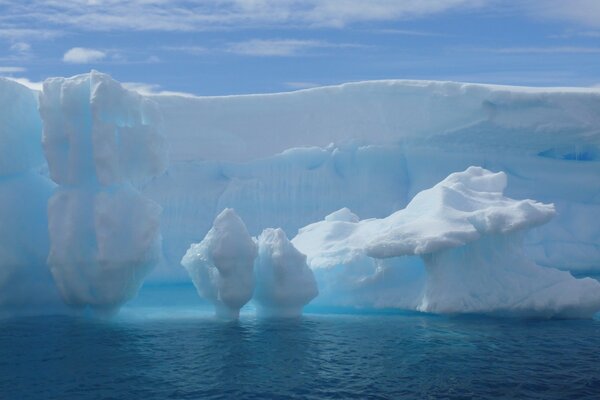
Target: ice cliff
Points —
{"points": [[84, 199]]}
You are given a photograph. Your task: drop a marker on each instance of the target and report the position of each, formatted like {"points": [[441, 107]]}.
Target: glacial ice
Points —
{"points": [[469, 238], [287, 160], [284, 282], [25, 283], [222, 265], [99, 139]]}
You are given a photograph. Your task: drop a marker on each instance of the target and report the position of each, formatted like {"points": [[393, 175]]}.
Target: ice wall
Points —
{"points": [[25, 282], [100, 140], [469, 238], [391, 139]]}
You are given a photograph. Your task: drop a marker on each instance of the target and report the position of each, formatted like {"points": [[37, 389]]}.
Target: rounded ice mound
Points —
{"points": [[222, 264], [284, 282]]}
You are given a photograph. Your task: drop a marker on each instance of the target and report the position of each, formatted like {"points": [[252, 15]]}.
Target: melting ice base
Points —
{"points": [[269, 157]]}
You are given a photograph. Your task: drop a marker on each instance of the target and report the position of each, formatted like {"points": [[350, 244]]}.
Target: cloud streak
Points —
{"points": [[195, 15]]}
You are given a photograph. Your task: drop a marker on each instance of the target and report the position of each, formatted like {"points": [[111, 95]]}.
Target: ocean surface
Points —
{"points": [[166, 345]]}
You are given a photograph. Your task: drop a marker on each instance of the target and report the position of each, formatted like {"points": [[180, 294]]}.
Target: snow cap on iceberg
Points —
{"points": [[458, 210], [284, 283], [222, 264]]}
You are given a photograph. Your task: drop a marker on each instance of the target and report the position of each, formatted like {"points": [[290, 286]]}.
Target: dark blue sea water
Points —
{"points": [[158, 350]]}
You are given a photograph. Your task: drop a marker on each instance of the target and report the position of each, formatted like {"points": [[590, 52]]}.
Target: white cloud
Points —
{"points": [[81, 55], [11, 70], [545, 50], [281, 47], [581, 12], [185, 15], [193, 50], [20, 47]]}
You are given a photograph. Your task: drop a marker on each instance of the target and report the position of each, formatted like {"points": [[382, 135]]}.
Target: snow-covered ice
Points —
{"points": [[222, 265], [469, 238], [287, 160]]}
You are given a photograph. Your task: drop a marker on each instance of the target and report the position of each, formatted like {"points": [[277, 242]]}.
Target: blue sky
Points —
{"points": [[216, 47]]}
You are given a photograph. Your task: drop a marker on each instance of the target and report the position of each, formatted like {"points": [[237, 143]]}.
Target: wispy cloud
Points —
{"points": [[25, 33], [81, 55], [11, 70], [280, 48], [193, 50], [408, 32], [544, 50], [185, 15], [283, 47], [582, 12]]}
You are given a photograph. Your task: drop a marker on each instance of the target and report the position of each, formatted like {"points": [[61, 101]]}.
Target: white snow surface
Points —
{"points": [[222, 265], [469, 237], [284, 282]]}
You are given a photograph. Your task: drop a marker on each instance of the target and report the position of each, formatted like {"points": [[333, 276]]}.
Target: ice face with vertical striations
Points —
{"points": [[468, 236], [25, 282], [100, 139], [222, 265], [284, 282]]}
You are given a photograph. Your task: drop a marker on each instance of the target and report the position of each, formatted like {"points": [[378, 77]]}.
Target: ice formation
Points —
{"points": [[99, 140], [287, 160], [222, 265], [25, 282], [469, 237], [269, 157], [284, 282]]}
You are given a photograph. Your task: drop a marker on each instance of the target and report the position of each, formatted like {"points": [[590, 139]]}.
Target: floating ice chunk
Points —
{"points": [[222, 264], [469, 237], [284, 283]]}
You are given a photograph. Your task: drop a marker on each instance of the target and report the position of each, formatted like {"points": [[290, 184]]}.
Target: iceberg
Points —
{"points": [[101, 208], [284, 282], [222, 265], [99, 140], [469, 238]]}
